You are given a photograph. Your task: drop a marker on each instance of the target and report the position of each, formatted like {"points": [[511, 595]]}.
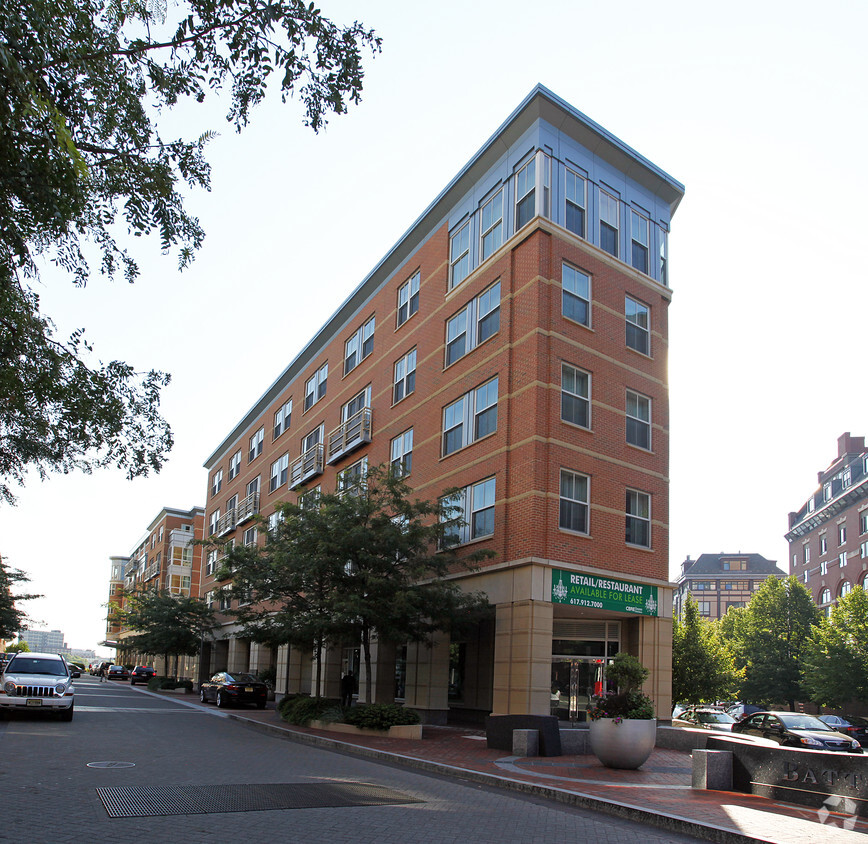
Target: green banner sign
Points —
{"points": [[603, 593]]}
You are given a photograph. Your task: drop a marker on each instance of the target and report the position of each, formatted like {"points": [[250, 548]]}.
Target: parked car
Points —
{"points": [[679, 709], [707, 718], [37, 682], [742, 710], [849, 725], [227, 689], [794, 729], [141, 674], [118, 672]]}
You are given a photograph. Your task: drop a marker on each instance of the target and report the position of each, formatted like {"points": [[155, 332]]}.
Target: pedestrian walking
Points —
{"points": [[348, 687]]}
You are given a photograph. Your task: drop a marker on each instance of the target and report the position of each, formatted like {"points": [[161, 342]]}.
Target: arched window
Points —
{"points": [[826, 597], [865, 583], [845, 589]]}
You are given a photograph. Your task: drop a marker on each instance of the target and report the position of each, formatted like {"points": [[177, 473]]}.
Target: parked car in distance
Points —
{"points": [[118, 672], [742, 710], [37, 682], [141, 674], [794, 729], [850, 725], [227, 689], [679, 709], [707, 718]]}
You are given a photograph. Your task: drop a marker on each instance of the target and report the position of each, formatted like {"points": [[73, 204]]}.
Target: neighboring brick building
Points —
{"points": [[514, 344], [828, 535], [720, 581], [165, 558]]}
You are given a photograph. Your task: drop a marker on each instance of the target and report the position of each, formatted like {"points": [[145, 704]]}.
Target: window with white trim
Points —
{"points": [[575, 396], [573, 508], [315, 387], [211, 561], [823, 546], [313, 439], [408, 298], [274, 519], [279, 472], [575, 294], [401, 460], [704, 607], [235, 465], [863, 523], [253, 486], [474, 506], [609, 223], [491, 225], [637, 321], [356, 404], [351, 480], [824, 568], [473, 324], [212, 522], [405, 377], [530, 178], [638, 420], [575, 191], [842, 559], [846, 589], [216, 482], [459, 255], [638, 518], [664, 246], [255, 445], [282, 419], [639, 227], [470, 418], [359, 346], [806, 554], [842, 534], [826, 596], [231, 504], [310, 497], [827, 492]]}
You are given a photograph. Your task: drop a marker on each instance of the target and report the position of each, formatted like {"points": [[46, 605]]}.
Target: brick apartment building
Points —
{"points": [[513, 343], [720, 581], [828, 535], [165, 558]]}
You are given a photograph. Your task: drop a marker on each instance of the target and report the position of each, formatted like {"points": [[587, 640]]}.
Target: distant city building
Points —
{"points": [[48, 641], [828, 535], [721, 581]]}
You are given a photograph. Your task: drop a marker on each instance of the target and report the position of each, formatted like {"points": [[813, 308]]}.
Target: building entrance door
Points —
{"points": [[574, 683]]}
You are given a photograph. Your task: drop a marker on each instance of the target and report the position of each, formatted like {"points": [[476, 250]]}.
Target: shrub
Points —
{"points": [[185, 684], [302, 709], [268, 676], [380, 716], [628, 674]]}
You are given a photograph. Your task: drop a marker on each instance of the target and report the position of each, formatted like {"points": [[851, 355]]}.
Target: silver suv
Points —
{"points": [[37, 682]]}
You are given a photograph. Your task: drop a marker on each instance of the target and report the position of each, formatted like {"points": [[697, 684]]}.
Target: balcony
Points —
{"points": [[308, 466], [152, 571], [247, 509], [349, 435], [226, 523]]}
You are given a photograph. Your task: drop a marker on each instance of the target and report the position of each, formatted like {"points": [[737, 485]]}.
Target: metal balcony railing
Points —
{"points": [[349, 435], [247, 509], [308, 466]]}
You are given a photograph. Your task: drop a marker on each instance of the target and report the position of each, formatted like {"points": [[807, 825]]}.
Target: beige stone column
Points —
{"points": [[383, 656], [523, 658], [330, 678], [427, 687], [655, 653], [239, 655]]}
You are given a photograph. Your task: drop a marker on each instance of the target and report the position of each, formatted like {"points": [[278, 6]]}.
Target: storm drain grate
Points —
{"points": [[140, 802]]}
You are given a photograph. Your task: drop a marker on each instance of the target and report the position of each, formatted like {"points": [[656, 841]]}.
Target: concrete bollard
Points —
{"points": [[712, 769], [525, 742]]}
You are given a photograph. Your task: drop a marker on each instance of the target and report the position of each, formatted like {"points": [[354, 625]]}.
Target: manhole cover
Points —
{"points": [[111, 764]]}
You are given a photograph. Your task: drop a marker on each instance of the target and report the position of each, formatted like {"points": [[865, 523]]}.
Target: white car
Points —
{"points": [[37, 682]]}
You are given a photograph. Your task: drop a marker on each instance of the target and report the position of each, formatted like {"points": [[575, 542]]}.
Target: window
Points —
{"points": [[638, 521], [313, 439], [250, 537], [734, 565], [663, 256], [255, 445], [842, 559], [704, 607], [282, 419], [315, 388], [575, 396], [842, 534], [573, 513], [359, 346], [492, 225], [474, 506], [863, 523], [608, 223], [806, 553], [827, 492], [235, 465], [405, 377], [846, 478], [846, 588], [211, 561], [824, 568], [701, 585], [826, 596], [525, 194], [279, 470], [737, 585], [408, 298], [737, 605], [575, 191], [225, 600], [274, 520], [823, 545], [309, 498], [212, 522], [231, 504], [253, 486], [639, 242], [637, 325], [863, 550], [356, 404], [473, 324], [575, 295], [459, 256], [351, 479], [402, 453], [470, 418], [638, 420], [216, 482]]}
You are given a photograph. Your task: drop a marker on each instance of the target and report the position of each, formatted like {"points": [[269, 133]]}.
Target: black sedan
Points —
{"points": [[849, 725], [227, 689], [118, 672], [141, 674], [793, 729]]}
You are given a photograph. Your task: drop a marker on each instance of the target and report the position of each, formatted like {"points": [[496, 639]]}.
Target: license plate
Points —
{"points": [[248, 689], [34, 701]]}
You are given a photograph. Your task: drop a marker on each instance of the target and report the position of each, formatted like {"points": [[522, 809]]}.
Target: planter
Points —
{"points": [[627, 744], [405, 731]]}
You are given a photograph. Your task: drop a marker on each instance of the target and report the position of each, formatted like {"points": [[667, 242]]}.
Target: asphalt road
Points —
{"points": [[127, 750]]}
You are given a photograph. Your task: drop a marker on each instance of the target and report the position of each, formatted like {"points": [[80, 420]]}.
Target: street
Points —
{"points": [[64, 781]]}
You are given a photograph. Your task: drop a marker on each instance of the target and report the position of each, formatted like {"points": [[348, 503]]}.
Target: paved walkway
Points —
{"points": [[659, 793]]}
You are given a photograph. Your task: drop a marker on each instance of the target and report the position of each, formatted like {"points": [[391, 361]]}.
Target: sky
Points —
{"points": [[758, 108]]}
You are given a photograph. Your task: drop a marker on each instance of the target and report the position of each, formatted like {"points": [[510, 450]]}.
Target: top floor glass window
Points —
{"points": [[575, 192], [664, 246], [282, 418], [491, 225], [532, 178], [315, 388], [408, 298], [255, 445], [576, 296], [639, 242], [459, 255], [609, 227], [359, 346], [235, 465]]}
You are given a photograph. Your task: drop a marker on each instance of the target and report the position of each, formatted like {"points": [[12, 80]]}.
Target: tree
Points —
{"points": [[82, 84], [836, 661], [167, 624], [703, 668], [773, 633], [12, 618], [355, 565]]}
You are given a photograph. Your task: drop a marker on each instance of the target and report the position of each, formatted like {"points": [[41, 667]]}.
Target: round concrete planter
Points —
{"points": [[624, 745]]}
